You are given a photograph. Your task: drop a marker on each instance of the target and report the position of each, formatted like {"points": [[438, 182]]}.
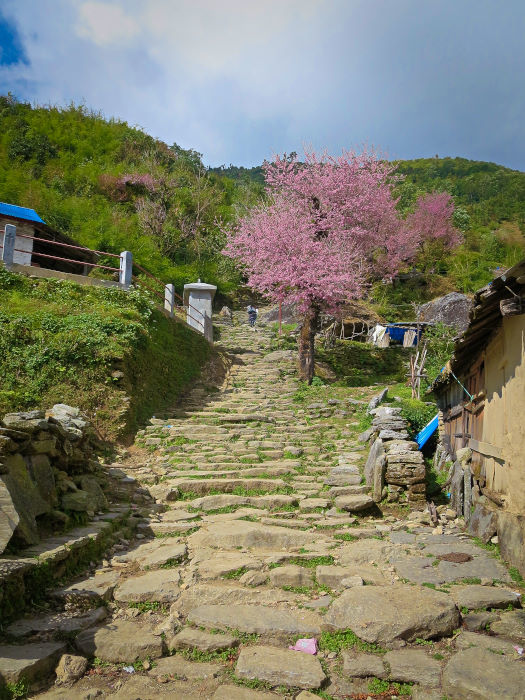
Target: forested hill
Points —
{"points": [[490, 211], [113, 187], [491, 193]]}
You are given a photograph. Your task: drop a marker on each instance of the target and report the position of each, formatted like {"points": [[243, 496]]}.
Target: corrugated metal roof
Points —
{"points": [[20, 212]]}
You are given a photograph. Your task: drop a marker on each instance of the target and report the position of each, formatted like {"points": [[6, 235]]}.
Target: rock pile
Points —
{"points": [[47, 472], [394, 468]]}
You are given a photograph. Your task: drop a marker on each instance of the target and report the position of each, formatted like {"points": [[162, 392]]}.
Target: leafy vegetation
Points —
{"points": [[62, 343], [335, 641], [361, 364], [113, 187]]}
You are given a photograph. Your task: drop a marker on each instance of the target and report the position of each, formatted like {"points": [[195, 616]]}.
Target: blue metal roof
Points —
{"points": [[20, 212]]}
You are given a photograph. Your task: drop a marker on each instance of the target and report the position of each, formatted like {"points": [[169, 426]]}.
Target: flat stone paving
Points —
{"points": [[255, 530]]}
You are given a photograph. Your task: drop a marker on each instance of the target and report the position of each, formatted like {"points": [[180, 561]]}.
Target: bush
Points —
{"points": [[417, 414], [361, 364], [60, 343]]}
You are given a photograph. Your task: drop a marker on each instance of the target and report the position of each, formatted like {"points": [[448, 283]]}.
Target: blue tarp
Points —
{"points": [[423, 436], [20, 212], [397, 333]]}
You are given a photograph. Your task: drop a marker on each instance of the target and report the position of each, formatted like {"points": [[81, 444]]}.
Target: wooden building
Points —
{"points": [[481, 397], [34, 243]]}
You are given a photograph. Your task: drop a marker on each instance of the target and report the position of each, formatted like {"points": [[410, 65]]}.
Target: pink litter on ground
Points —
{"points": [[309, 646]]}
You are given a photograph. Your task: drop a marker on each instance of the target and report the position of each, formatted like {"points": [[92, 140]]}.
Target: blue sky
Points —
{"points": [[240, 80]]}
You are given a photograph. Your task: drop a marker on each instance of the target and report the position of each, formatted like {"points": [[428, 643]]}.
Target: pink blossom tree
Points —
{"points": [[430, 228], [328, 226]]}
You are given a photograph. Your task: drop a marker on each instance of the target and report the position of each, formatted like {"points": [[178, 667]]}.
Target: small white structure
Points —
{"points": [[198, 298]]}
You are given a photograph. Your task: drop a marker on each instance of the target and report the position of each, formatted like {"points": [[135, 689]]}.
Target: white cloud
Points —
{"points": [[240, 79], [105, 23]]}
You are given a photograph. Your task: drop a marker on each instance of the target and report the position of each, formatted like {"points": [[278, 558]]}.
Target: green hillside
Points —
{"points": [[107, 351], [112, 187]]}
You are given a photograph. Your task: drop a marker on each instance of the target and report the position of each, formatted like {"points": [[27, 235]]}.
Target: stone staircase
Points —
{"points": [[255, 529]]}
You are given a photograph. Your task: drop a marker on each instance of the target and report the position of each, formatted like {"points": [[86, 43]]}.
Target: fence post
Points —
{"points": [[169, 298], [126, 269], [8, 251]]}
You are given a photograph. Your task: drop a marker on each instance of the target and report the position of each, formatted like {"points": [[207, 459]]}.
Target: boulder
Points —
{"points": [[70, 668], [25, 497], [354, 503], [280, 667], [383, 614], [9, 518], [483, 523], [97, 499], [77, 500], [452, 309]]}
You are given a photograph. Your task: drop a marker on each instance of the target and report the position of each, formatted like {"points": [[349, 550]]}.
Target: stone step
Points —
{"points": [[52, 559], [201, 487]]}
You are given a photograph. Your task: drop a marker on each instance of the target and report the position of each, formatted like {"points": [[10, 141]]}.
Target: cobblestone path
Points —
{"points": [[260, 532]]}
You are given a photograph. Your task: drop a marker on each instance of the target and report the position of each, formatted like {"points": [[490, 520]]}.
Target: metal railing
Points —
{"points": [[125, 272]]}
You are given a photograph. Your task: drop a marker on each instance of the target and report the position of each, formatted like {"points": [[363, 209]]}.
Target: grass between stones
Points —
{"points": [[336, 641], [149, 606], [226, 655], [235, 574], [324, 560], [377, 686]]}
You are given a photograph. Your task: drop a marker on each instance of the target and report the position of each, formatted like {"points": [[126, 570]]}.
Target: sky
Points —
{"points": [[242, 80]]}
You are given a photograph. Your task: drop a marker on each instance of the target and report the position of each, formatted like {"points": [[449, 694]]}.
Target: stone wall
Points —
{"points": [[395, 469], [49, 479]]}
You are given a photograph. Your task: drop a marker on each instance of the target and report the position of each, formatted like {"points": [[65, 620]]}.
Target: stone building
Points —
{"points": [[481, 397]]}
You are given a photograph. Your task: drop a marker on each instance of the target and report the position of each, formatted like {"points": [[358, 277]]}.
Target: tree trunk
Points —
{"points": [[306, 344]]}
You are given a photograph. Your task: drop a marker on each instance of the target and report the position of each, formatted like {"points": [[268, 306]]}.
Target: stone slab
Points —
{"points": [[235, 692], [475, 597], [280, 667], [477, 674], [190, 638], [120, 641], [413, 666], [160, 586], [32, 662], [256, 619], [354, 503], [180, 668], [383, 614], [511, 625], [64, 623], [356, 665], [230, 535]]}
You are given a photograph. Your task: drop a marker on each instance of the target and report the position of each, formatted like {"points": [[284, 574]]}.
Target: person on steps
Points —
{"points": [[252, 315]]}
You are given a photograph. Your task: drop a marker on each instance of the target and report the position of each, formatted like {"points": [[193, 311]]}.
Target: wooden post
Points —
{"points": [[8, 251], [126, 269]]}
